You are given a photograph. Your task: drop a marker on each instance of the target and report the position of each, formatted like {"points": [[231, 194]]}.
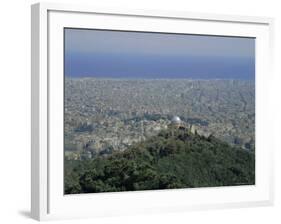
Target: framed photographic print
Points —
{"points": [[148, 111]]}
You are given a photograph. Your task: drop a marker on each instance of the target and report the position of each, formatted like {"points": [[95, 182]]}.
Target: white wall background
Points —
{"points": [[15, 110]]}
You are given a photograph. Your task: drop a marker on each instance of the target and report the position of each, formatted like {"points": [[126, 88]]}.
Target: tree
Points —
{"points": [[162, 162]]}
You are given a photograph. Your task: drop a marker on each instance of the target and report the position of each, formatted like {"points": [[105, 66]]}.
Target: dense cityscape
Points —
{"points": [[107, 115]]}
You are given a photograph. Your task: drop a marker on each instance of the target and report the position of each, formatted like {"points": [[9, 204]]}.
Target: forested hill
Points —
{"points": [[172, 159]]}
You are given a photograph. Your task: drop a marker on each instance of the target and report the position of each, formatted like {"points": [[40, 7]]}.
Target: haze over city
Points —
{"points": [[121, 54]]}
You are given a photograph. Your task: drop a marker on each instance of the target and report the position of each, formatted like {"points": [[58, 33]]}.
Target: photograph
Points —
{"points": [[157, 111]]}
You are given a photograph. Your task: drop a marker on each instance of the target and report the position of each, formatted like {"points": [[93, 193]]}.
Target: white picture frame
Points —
{"points": [[47, 198]]}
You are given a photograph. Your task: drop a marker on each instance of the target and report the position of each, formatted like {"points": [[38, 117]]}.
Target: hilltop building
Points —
{"points": [[177, 123]]}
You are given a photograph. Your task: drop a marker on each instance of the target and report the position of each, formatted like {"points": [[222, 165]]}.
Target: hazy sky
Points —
{"points": [[119, 54]]}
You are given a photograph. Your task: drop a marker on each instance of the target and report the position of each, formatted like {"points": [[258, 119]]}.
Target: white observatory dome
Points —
{"points": [[176, 120]]}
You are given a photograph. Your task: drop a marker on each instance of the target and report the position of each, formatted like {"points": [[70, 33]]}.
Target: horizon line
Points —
{"points": [[135, 78]]}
